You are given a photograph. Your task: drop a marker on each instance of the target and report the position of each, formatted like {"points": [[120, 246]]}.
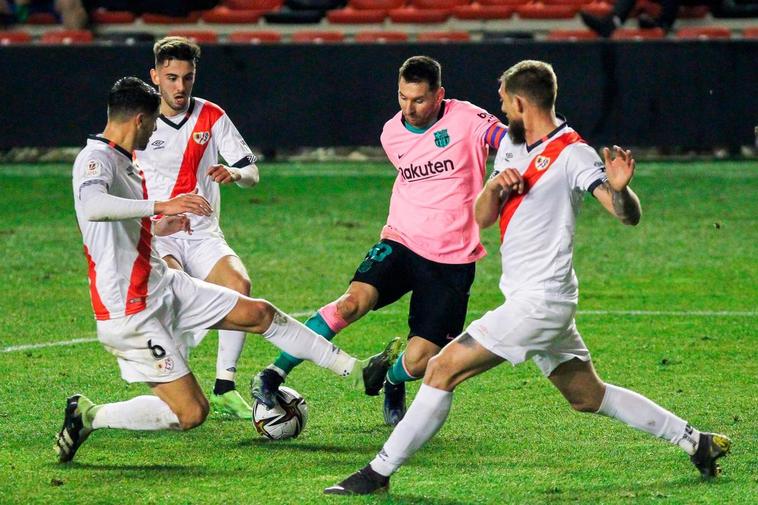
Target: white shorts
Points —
{"points": [[197, 256], [153, 345], [523, 328]]}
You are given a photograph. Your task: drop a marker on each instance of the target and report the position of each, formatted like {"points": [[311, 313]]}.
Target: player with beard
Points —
{"points": [[183, 156], [542, 171], [430, 243]]}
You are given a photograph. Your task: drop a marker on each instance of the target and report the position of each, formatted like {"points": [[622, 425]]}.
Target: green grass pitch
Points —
{"points": [[692, 262]]}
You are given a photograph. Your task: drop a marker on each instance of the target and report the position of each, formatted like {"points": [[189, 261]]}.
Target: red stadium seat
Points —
{"points": [[704, 32], [750, 32], [575, 3], [571, 35], [225, 15], [443, 37], [67, 37], [197, 36], [159, 19], [376, 4], [478, 11], [14, 37], [420, 16], [257, 37], [438, 4], [542, 11], [501, 3], [350, 15], [638, 34], [597, 8], [318, 37], [381, 37], [104, 17], [253, 5], [41, 18]]}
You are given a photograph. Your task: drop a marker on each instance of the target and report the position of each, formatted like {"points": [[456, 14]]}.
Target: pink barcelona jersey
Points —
{"points": [[439, 174]]}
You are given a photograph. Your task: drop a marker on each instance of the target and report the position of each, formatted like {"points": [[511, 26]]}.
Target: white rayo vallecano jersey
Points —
{"points": [[181, 151], [537, 227], [124, 272]]}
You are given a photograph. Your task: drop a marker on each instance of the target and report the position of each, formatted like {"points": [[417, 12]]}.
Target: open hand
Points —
{"points": [[618, 169]]}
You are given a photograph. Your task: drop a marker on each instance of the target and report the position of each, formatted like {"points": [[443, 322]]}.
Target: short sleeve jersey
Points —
{"points": [[180, 152], [124, 272], [537, 227], [439, 174]]}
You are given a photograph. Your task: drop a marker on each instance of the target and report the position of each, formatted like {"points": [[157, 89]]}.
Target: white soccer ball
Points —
{"points": [[287, 418]]}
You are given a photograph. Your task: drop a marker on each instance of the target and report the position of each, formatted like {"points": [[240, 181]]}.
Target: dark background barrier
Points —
{"points": [[692, 94]]}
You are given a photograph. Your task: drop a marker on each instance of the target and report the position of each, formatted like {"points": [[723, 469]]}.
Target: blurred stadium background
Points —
{"points": [[322, 73]]}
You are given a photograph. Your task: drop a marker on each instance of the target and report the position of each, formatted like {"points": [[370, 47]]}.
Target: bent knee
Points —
{"points": [[351, 307], [193, 415]]}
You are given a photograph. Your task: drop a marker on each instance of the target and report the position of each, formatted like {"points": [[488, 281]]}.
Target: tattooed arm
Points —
{"points": [[615, 194]]}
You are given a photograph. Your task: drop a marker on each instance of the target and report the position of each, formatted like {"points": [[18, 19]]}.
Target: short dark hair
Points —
{"points": [[176, 48], [130, 96], [533, 79], [422, 69]]}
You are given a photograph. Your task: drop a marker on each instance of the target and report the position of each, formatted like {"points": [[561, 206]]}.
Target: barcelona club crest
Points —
{"points": [[541, 163], [201, 137], [441, 138]]}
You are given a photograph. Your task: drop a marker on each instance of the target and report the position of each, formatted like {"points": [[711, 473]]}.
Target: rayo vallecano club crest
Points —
{"points": [[201, 137], [541, 163]]}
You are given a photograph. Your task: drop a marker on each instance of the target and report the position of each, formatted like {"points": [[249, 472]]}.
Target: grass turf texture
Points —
{"points": [[510, 438]]}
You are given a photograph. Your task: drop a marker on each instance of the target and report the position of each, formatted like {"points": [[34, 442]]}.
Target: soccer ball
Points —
{"points": [[287, 418]]}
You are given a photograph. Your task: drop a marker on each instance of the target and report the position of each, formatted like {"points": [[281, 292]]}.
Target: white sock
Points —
{"points": [[147, 413], [641, 413], [298, 340], [230, 345], [424, 418]]}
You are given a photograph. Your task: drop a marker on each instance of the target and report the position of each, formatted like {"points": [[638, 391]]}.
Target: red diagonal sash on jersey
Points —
{"points": [[101, 313], [198, 141], [136, 295], [533, 174]]}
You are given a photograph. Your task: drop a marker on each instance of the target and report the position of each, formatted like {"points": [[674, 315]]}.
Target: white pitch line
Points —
{"points": [[15, 348], [684, 313]]}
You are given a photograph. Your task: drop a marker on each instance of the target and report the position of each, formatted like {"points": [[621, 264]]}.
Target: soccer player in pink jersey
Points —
{"points": [[430, 243], [542, 171], [183, 156], [147, 313]]}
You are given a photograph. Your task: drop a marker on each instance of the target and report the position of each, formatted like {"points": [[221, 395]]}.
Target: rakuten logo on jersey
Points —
{"points": [[428, 170]]}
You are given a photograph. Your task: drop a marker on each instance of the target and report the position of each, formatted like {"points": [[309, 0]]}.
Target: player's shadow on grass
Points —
{"points": [[274, 445]]}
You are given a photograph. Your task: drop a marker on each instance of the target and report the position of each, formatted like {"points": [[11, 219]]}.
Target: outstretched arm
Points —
{"points": [[494, 193], [614, 193], [99, 205]]}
